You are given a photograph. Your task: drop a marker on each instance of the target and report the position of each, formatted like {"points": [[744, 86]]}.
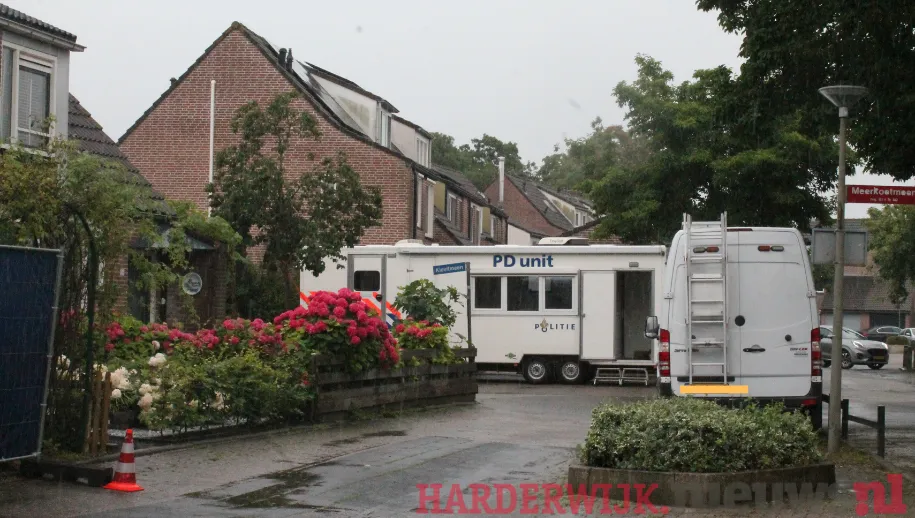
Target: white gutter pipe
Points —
{"points": [[212, 131], [501, 179]]}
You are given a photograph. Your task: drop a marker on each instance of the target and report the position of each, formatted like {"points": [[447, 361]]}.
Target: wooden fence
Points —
{"points": [[339, 392], [99, 409]]}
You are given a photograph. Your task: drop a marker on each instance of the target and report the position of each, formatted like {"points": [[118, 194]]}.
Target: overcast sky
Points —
{"points": [[528, 71]]}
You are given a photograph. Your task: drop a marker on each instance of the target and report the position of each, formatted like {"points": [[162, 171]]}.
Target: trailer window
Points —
{"points": [[557, 292], [366, 280], [524, 293], [487, 292]]}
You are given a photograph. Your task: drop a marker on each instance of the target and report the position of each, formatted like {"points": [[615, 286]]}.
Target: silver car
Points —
{"points": [[856, 349]]}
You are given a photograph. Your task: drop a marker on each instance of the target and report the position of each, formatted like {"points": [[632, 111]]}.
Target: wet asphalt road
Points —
{"points": [[895, 389], [514, 434]]}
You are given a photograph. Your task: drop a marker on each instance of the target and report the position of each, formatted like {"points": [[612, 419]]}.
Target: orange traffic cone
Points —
{"points": [[125, 474]]}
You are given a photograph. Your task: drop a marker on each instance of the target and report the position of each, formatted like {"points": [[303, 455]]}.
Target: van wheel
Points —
{"points": [[536, 371], [875, 366], [846, 360], [570, 372], [827, 363]]}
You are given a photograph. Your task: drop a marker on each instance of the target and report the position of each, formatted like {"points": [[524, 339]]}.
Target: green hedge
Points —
{"points": [[897, 340], [693, 435]]}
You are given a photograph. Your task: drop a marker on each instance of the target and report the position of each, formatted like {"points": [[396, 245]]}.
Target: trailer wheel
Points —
{"points": [[536, 371], [570, 372]]}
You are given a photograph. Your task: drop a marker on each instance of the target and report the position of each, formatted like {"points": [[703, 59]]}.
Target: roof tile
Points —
{"points": [[11, 14]]}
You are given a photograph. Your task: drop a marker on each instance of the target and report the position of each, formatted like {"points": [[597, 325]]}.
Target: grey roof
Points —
{"points": [[91, 138], [575, 198], [422, 131], [867, 294], [342, 81], [452, 229], [589, 227], [457, 177], [13, 15], [532, 192]]}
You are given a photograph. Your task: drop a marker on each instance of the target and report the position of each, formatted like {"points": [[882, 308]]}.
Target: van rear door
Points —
{"points": [[774, 309]]}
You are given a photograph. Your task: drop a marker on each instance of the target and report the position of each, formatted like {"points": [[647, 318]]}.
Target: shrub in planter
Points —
{"points": [[411, 334], [341, 325], [692, 435], [897, 340], [422, 300]]}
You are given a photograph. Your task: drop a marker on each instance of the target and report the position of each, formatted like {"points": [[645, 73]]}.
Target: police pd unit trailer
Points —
{"points": [[561, 309]]}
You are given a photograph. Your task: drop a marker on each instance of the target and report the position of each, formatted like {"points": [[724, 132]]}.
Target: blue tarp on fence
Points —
{"points": [[28, 291]]}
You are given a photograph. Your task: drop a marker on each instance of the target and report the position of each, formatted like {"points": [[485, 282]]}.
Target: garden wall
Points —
{"points": [[427, 384]]}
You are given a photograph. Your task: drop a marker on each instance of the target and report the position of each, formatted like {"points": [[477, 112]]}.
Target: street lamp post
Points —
{"points": [[844, 97]]}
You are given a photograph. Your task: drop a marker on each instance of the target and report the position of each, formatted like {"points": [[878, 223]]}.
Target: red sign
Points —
{"points": [[885, 194]]}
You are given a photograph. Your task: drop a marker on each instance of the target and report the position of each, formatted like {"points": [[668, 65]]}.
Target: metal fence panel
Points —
{"points": [[29, 284]]}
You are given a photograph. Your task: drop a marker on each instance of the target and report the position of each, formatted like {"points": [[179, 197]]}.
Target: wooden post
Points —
{"points": [[845, 419], [106, 407], [881, 431]]}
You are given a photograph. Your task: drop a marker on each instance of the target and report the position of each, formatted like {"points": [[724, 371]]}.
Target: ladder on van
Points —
{"points": [[707, 301]]}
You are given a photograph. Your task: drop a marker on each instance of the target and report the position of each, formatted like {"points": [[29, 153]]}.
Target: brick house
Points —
{"points": [[205, 259], [34, 85], [866, 297], [535, 210], [169, 143]]}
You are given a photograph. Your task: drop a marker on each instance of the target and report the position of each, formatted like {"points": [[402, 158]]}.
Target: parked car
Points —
{"points": [[909, 334], [882, 333], [856, 349]]}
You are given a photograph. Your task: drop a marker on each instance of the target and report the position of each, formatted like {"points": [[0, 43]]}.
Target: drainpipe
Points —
{"points": [[212, 131], [416, 201], [501, 180]]}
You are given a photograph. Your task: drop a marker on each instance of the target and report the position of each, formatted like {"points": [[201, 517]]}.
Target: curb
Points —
{"points": [[152, 450], [892, 468]]}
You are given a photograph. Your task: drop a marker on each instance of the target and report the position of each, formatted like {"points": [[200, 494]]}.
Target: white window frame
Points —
{"points": [[430, 209], [479, 225], [541, 302], [420, 181], [492, 225], [450, 206], [422, 151], [384, 131], [37, 61]]}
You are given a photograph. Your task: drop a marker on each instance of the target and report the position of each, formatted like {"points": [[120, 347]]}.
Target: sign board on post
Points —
{"points": [[881, 194], [449, 268], [824, 247]]}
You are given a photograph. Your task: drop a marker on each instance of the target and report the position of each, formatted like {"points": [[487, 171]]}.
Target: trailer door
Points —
{"points": [[366, 274], [598, 314]]}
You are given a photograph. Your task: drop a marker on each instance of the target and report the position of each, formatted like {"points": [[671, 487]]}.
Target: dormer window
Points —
{"points": [[422, 152], [26, 99], [384, 132], [451, 207]]}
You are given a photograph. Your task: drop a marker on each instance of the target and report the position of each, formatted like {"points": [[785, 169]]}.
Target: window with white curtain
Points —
{"points": [[26, 96]]}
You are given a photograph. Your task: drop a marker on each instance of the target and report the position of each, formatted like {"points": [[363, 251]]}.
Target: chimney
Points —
{"points": [[289, 60], [501, 179]]}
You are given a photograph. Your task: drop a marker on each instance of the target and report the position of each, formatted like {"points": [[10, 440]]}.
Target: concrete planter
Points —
{"points": [[705, 489]]}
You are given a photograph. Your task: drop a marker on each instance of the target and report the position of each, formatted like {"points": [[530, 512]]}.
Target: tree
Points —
{"points": [[586, 160], [892, 243], [794, 47], [300, 220], [479, 160], [707, 157]]}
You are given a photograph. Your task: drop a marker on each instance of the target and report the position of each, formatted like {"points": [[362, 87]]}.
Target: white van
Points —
{"points": [[739, 317]]}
